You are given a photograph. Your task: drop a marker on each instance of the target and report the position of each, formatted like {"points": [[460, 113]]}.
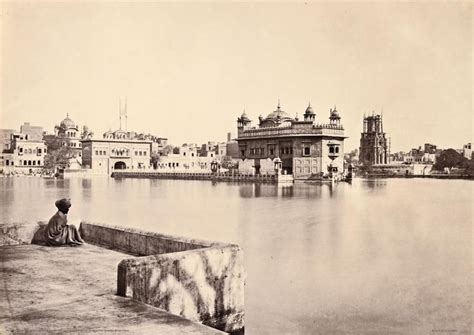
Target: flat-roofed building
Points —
{"points": [[25, 153], [116, 151]]}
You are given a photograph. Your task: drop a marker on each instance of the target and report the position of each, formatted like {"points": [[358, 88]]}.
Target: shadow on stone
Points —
{"points": [[39, 235]]}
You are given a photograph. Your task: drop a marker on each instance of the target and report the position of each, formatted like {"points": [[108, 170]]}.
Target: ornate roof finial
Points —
{"points": [[67, 115], [278, 107], [309, 103]]}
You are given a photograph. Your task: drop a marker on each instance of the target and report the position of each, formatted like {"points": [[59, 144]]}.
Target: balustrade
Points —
{"points": [[324, 129]]}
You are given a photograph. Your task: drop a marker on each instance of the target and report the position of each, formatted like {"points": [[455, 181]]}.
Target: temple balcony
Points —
{"points": [[315, 130]]}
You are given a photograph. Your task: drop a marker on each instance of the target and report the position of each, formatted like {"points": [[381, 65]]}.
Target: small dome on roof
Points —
{"points": [[334, 114], [278, 114], [67, 123], [108, 134], [243, 118], [119, 131], [309, 110]]}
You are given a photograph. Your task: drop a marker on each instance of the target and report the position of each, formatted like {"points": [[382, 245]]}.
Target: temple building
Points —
{"points": [[116, 151], [306, 148], [374, 144], [121, 149], [68, 132]]}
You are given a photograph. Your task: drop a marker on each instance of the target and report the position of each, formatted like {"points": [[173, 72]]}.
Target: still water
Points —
{"points": [[378, 256]]}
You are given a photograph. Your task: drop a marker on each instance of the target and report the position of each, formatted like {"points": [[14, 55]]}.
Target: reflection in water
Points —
{"points": [[286, 191], [375, 183], [246, 190], [86, 183], [57, 183], [377, 256], [265, 190], [257, 189]]}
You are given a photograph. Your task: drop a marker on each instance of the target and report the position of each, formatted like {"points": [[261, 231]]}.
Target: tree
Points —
{"points": [[58, 158], [86, 133], [52, 142], [167, 150], [448, 159], [155, 158], [228, 163], [59, 151]]}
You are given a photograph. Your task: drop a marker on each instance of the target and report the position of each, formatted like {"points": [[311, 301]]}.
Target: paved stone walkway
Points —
{"points": [[71, 290]]}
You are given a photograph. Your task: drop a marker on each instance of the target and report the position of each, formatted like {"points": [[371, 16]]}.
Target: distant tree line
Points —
{"points": [[450, 158]]}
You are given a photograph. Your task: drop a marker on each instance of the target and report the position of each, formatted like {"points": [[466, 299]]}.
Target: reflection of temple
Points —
{"points": [[305, 147], [374, 145]]}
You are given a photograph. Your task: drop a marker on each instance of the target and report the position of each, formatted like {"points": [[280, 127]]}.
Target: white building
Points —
{"points": [[187, 160], [26, 153], [116, 151], [467, 150]]}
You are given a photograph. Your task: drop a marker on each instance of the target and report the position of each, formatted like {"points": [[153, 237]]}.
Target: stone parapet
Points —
{"points": [[199, 280], [21, 233], [138, 242]]}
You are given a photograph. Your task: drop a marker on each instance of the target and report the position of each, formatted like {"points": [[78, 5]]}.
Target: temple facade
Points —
{"points": [[116, 150], [307, 148], [374, 144], [69, 133]]}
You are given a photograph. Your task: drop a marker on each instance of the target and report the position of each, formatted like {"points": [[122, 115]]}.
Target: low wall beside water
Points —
{"points": [[202, 281], [258, 178], [199, 280]]}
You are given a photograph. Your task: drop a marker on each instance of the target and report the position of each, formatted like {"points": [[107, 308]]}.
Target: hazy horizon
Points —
{"points": [[188, 70]]}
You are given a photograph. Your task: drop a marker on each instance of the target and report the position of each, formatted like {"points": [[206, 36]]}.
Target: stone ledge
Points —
{"points": [[202, 281], [70, 290], [22, 233]]}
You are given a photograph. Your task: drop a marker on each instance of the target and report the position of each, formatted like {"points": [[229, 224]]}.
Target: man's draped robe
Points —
{"points": [[58, 232]]}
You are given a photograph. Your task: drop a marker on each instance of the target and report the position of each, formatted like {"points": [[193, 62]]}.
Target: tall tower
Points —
{"points": [[374, 144]]}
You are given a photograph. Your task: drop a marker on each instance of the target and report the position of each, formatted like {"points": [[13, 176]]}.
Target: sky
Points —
{"points": [[188, 70]]}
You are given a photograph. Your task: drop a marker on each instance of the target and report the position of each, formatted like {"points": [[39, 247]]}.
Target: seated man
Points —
{"points": [[58, 232]]}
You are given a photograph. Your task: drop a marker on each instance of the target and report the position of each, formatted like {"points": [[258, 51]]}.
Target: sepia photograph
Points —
{"points": [[257, 167]]}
